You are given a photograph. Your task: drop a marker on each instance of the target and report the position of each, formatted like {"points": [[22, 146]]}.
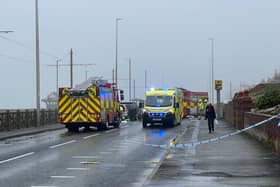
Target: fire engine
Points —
{"points": [[94, 103]]}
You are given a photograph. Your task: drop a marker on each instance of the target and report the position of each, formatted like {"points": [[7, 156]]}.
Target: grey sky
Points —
{"points": [[168, 38]]}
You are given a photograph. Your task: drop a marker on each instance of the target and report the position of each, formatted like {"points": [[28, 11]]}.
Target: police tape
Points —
{"points": [[193, 144]]}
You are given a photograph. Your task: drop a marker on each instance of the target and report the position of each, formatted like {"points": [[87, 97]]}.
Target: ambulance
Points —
{"points": [[163, 107]]}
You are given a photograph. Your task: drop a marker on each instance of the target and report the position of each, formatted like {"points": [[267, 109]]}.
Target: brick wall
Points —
{"points": [[268, 133]]}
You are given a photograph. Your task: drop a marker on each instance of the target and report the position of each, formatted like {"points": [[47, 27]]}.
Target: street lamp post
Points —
{"points": [[117, 35], [37, 63], [212, 69], [145, 80]]}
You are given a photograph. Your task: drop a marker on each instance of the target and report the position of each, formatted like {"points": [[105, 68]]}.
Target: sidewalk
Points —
{"points": [[236, 161], [29, 131]]}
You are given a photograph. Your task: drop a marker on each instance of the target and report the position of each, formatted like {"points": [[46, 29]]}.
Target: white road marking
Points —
{"points": [[89, 162], [58, 145], [80, 169], [105, 153], [109, 131], [63, 177], [17, 157], [84, 157], [94, 135], [44, 186]]}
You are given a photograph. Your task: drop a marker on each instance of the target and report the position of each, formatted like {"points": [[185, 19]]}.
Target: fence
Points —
{"points": [[17, 119]]}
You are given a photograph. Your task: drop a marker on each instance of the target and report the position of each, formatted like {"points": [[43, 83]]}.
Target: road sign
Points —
{"points": [[218, 84]]}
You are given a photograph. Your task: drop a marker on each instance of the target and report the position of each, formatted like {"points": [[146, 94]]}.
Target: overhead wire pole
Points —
{"points": [[117, 38], [129, 79], [113, 76], [134, 86], [37, 63], [71, 68]]}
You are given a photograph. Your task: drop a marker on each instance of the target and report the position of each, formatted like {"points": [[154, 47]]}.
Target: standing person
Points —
{"points": [[201, 108], [210, 114]]}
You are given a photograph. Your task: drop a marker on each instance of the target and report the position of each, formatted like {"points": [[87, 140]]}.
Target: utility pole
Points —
{"points": [[134, 86], [113, 76], [37, 63], [230, 90], [210, 81], [86, 74], [129, 79], [57, 73], [117, 35], [71, 68]]}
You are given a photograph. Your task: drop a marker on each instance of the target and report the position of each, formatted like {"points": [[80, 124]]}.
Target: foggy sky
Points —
{"points": [[168, 38]]}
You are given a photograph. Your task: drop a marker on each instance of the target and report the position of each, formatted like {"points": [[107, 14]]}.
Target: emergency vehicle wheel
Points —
{"points": [[72, 128], [116, 124], [99, 127], [105, 125]]}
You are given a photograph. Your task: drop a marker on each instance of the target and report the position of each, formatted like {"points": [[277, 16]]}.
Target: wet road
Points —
{"points": [[235, 161], [117, 157]]}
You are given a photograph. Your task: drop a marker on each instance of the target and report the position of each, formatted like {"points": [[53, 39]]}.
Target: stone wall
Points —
{"points": [[18, 119]]}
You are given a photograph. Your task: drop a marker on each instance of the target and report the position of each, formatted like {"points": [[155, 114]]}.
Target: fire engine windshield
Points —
{"points": [[158, 101]]}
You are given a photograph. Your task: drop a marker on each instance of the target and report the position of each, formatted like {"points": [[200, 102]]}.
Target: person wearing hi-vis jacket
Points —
{"points": [[210, 114]]}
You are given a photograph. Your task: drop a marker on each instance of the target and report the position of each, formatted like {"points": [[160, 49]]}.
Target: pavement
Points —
{"points": [[29, 131], [120, 157], [236, 161]]}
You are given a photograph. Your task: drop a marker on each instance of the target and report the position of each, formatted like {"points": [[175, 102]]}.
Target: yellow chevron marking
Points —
{"points": [[67, 119], [64, 106], [93, 105], [82, 102], [90, 110], [76, 117], [75, 111], [61, 101], [93, 90], [83, 118], [91, 119]]}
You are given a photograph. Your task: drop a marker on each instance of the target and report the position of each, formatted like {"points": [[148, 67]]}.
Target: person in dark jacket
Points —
{"points": [[210, 114]]}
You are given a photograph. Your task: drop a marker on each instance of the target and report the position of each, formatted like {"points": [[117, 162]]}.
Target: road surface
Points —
{"points": [[120, 158], [117, 157]]}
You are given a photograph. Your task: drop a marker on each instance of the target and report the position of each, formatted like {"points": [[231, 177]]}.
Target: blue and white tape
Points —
{"points": [[193, 144]]}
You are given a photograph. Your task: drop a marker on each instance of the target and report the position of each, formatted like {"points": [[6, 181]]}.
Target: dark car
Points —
{"points": [[129, 111]]}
